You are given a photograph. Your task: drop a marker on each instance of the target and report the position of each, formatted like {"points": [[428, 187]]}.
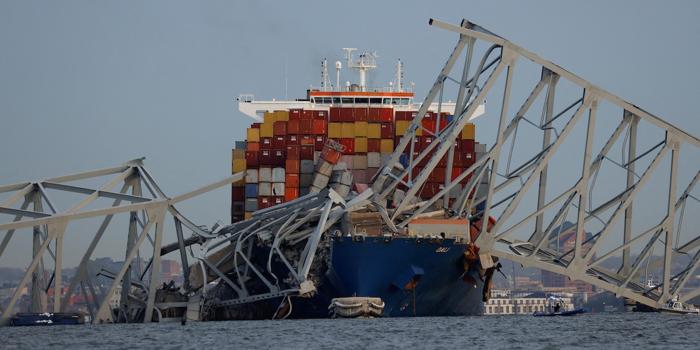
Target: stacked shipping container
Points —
{"points": [[282, 153]]}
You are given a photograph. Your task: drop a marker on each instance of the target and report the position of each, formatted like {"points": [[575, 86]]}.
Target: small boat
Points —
{"points": [[46, 319], [676, 307], [558, 307]]}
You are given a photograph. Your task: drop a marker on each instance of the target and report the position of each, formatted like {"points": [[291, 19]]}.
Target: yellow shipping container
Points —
{"points": [[469, 132], [360, 145], [347, 130], [269, 118], [360, 129], [238, 165], [374, 131], [386, 146], [248, 215], [335, 130], [238, 154], [401, 127], [267, 130], [253, 135], [281, 116]]}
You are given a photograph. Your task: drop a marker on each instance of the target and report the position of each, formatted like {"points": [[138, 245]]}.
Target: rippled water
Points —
{"points": [[604, 331]]}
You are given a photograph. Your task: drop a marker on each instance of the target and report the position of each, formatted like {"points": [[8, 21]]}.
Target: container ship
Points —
{"points": [[422, 271]]}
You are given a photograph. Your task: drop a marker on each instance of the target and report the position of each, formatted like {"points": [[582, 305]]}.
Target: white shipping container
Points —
{"points": [[265, 189], [277, 174], [265, 175], [323, 167], [374, 159], [320, 181], [278, 189], [251, 176], [359, 162], [480, 147]]}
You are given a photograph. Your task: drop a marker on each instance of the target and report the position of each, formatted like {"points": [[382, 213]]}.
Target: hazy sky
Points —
{"points": [[91, 84]]}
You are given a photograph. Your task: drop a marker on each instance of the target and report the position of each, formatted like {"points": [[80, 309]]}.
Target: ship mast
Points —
{"points": [[366, 62]]}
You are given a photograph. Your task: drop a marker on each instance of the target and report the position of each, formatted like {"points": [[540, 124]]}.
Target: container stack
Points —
{"points": [[464, 151], [278, 159], [367, 134], [294, 152]]}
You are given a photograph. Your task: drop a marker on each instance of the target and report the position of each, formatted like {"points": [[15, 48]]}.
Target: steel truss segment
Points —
{"points": [[686, 137], [536, 250]]}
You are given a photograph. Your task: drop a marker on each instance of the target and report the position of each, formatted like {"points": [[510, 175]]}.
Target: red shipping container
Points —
{"points": [[347, 114], [255, 126], [306, 127], [405, 115], [293, 152], [428, 124], [456, 171], [467, 145], [291, 180], [252, 159], [279, 142], [295, 114], [438, 175], [238, 194], [307, 140], [387, 131], [307, 114], [294, 126], [426, 141], [373, 145], [373, 115], [266, 157], [279, 128], [330, 155], [349, 144], [334, 114], [319, 141], [252, 146], [277, 200], [306, 152], [264, 202], [386, 114], [292, 166], [266, 143], [322, 115], [291, 193], [279, 156], [360, 114], [292, 139], [319, 126]]}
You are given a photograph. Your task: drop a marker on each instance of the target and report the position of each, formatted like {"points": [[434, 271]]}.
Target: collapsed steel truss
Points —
{"points": [[301, 224], [585, 261], [147, 210]]}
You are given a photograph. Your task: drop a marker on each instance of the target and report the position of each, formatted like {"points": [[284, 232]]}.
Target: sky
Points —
{"points": [[92, 84]]}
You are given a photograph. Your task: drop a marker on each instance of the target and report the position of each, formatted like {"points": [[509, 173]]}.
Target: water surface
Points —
{"points": [[603, 331]]}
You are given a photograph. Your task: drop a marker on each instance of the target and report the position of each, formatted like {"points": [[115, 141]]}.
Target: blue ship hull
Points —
{"points": [[413, 276]]}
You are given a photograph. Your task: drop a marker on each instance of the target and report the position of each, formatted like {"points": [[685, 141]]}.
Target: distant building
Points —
{"points": [[503, 302]]}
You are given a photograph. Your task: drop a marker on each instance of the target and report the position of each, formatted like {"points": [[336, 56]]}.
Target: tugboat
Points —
{"points": [[556, 306], [678, 308]]}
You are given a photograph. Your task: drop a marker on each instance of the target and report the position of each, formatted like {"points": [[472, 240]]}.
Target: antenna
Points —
{"points": [[367, 61], [325, 82], [338, 66], [399, 76]]}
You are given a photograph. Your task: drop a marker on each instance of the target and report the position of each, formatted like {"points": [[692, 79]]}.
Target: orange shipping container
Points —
{"points": [[386, 146], [291, 193], [291, 180]]}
